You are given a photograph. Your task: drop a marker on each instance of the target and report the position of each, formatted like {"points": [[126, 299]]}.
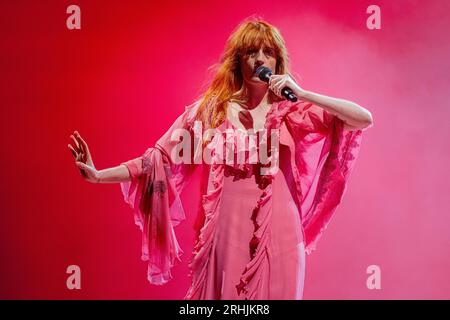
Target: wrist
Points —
{"points": [[97, 176], [303, 94]]}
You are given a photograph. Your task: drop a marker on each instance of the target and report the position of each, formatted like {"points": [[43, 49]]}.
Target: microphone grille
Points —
{"points": [[263, 73]]}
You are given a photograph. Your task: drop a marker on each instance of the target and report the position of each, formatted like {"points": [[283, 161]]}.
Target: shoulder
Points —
{"points": [[190, 112], [192, 108]]}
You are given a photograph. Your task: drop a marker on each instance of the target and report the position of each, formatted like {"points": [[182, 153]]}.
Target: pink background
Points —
{"points": [[128, 73]]}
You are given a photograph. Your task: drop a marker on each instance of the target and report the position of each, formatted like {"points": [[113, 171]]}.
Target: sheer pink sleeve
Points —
{"points": [[324, 157], [154, 193]]}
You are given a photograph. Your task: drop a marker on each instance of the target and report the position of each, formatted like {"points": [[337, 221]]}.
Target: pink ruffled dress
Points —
{"points": [[252, 230]]}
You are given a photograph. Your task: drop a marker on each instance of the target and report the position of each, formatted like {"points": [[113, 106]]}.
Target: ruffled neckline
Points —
{"points": [[274, 111], [273, 120]]}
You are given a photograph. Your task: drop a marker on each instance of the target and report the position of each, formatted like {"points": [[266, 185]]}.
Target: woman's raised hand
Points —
{"points": [[83, 158]]}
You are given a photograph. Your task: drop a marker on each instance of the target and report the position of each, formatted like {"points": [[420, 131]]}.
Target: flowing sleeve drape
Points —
{"points": [[153, 192], [325, 155]]}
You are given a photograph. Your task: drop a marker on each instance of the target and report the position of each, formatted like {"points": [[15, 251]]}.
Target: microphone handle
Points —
{"points": [[289, 94]]}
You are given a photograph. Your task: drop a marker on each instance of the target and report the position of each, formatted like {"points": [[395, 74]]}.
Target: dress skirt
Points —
{"points": [[283, 269]]}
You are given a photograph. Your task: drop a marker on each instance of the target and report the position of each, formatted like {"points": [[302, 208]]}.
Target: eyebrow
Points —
{"points": [[264, 48]]}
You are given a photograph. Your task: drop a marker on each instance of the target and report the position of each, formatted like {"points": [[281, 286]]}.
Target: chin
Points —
{"points": [[257, 80]]}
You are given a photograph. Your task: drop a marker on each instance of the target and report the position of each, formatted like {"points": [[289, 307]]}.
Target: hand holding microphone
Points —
{"points": [[279, 84]]}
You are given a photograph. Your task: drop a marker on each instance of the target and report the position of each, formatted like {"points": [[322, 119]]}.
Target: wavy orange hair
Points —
{"points": [[227, 83]]}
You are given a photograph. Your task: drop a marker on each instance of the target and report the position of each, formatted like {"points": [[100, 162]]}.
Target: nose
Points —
{"points": [[260, 59], [260, 56]]}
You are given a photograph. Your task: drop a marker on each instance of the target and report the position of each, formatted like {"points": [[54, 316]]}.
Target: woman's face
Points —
{"points": [[254, 58]]}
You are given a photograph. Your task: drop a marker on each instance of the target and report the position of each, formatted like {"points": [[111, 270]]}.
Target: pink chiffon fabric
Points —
{"points": [[252, 230]]}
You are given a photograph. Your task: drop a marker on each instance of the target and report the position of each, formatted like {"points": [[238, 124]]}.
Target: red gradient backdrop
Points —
{"points": [[128, 73]]}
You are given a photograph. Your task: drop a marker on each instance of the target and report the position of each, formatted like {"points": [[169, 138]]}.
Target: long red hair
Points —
{"points": [[227, 82]]}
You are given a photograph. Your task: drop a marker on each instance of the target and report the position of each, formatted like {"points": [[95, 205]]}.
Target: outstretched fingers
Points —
{"points": [[72, 150], [82, 143], [76, 143]]}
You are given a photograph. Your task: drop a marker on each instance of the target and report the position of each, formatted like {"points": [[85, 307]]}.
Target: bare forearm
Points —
{"points": [[348, 111], [113, 175]]}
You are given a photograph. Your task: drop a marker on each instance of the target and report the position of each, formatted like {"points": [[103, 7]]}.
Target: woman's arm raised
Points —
{"points": [[353, 115]]}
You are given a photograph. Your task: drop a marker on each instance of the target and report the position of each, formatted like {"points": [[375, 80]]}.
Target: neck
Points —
{"points": [[257, 95]]}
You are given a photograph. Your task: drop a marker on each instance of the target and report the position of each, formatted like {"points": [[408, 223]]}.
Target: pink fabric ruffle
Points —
{"points": [[204, 243], [251, 279], [157, 209], [329, 172], [154, 193]]}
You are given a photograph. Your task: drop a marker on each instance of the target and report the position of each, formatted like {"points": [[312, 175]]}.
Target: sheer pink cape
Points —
{"points": [[324, 157]]}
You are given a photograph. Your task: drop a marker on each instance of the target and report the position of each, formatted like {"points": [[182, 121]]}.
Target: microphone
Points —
{"points": [[264, 74]]}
